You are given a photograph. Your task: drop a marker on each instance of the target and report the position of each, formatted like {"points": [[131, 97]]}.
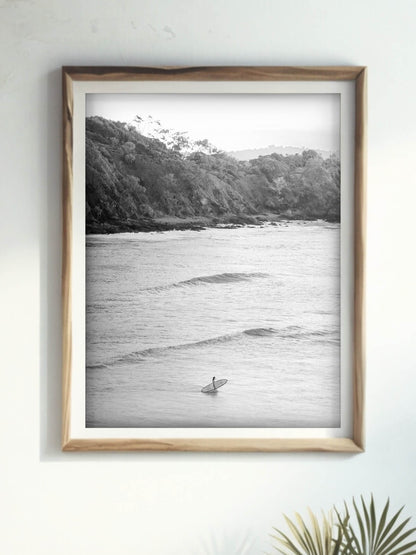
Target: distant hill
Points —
{"points": [[138, 183], [250, 154]]}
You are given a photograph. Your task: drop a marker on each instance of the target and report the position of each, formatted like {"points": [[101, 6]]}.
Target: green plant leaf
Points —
{"points": [[393, 535], [402, 548], [353, 543], [297, 534], [317, 531], [373, 521], [287, 543], [306, 533], [390, 525], [338, 541], [361, 526], [399, 540], [356, 533], [382, 524], [315, 538], [384, 537], [367, 521]]}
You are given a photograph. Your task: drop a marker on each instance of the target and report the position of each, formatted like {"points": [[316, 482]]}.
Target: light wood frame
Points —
{"points": [[355, 444]]}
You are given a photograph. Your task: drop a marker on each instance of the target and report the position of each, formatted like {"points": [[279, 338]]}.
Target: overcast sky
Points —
{"points": [[233, 121]]}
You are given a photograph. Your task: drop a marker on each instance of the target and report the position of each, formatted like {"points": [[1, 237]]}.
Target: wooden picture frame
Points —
{"points": [[73, 77]]}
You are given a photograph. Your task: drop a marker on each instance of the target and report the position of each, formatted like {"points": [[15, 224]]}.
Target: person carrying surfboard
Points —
{"points": [[213, 386]]}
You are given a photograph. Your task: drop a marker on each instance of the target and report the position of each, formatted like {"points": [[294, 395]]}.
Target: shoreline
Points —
{"points": [[197, 223]]}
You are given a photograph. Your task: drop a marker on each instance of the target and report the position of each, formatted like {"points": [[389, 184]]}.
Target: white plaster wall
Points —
{"points": [[72, 504]]}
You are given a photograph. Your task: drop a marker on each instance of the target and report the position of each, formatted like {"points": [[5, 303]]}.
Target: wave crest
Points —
{"points": [[227, 277], [289, 332]]}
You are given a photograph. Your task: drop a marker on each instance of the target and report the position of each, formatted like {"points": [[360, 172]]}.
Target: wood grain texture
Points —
{"points": [[359, 251], [67, 113], [230, 73], [267, 73], [336, 445]]}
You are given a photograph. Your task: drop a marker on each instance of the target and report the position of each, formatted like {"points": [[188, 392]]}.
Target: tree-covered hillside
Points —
{"points": [[135, 182]]}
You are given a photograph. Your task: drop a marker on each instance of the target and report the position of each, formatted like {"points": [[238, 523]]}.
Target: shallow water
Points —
{"points": [[258, 306]]}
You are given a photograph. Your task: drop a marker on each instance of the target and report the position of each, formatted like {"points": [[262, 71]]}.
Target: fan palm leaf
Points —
{"points": [[316, 538], [374, 537]]}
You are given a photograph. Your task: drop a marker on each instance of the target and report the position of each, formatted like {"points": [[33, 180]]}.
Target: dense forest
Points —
{"points": [[136, 182]]}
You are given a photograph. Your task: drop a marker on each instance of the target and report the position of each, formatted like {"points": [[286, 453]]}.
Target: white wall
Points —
{"points": [[71, 504]]}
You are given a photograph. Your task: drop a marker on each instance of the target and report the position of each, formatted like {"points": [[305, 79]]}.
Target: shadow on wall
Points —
{"points": [[50, 269]]}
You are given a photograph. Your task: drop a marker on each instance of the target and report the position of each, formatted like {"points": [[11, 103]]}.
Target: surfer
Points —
{"points": [[213, 386]]}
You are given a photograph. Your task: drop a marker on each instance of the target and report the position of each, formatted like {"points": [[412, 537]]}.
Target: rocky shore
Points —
{"points": [[137, 183], [168, 223]]}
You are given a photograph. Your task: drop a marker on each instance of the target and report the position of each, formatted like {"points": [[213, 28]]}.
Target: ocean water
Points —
{"points": [[258, 306]]}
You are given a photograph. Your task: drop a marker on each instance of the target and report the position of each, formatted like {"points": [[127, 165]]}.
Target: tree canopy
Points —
{"points": [[131, 177]]}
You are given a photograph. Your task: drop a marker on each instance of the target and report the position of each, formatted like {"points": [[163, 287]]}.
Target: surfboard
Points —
{"points": [[210, 388]]}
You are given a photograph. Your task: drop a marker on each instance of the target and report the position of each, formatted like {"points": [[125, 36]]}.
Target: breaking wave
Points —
{"points": [[227, 277], [289, 332]]}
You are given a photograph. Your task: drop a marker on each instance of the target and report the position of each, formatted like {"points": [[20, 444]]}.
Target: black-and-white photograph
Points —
{"points": [[212, 260]]}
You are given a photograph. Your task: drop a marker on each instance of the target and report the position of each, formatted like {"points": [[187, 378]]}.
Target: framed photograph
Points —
{"points": [[213, 258]]}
